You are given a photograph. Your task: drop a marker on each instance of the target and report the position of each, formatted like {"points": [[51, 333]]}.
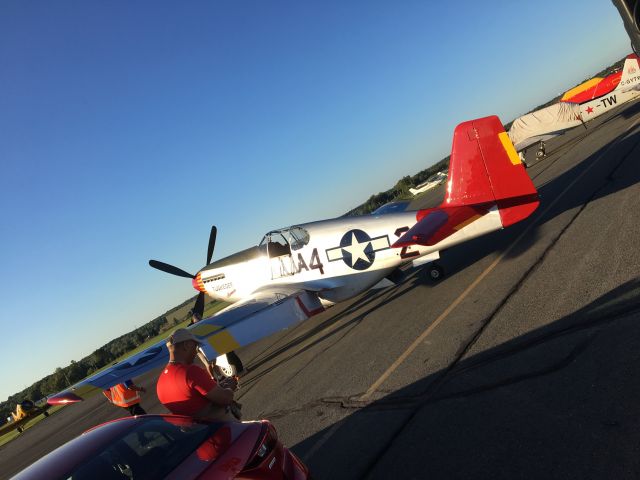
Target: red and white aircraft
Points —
{"points": [[295, 272], [577, 108], [627, 89]]}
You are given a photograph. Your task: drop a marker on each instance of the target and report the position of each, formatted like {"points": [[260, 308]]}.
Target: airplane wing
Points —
{"points": [[237, 325]]}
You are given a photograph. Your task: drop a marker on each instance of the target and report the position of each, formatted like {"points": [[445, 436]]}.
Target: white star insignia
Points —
{"points": [[357, 249]]}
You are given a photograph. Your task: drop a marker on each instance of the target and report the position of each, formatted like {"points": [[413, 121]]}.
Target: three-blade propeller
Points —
{"points": [[165, 267]]}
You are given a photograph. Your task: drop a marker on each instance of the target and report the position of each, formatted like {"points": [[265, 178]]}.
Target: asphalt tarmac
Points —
{"points": [[524, 362]]}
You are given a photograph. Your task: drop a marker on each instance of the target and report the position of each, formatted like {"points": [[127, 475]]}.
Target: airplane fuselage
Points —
{"points": [[337, 258]]}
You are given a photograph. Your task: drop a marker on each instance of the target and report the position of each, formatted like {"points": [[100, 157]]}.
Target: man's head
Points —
{"points": [[182, 345]]}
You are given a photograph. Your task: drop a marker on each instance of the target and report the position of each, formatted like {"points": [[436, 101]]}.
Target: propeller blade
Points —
{"points": [[212, 243], [165, 267], [199, 306]]}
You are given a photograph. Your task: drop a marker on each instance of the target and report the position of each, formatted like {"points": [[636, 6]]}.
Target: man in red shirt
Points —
{"points": [[188, 389]]}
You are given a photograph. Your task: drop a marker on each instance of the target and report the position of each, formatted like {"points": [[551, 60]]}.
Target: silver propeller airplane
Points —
{"points": [[295, 272]]}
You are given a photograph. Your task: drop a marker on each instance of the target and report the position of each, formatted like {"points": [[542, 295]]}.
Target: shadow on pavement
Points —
{"points": [[558, 402]]}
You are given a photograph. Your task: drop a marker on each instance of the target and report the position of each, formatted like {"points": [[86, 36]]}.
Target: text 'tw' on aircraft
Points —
{"points": [[577, 107], [296, 271]]}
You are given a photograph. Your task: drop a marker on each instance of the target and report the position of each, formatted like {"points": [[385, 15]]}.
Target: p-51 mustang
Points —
{"points": [[297, 271]]}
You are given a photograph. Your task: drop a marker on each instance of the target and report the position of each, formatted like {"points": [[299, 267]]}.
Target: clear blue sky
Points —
{"points": [[128, 128]]}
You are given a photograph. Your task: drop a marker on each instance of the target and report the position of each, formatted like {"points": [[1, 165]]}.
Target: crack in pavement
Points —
{"points": [[403, 402]]}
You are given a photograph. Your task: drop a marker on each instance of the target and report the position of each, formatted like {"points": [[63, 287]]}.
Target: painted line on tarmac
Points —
{"points": [[372, 389]]}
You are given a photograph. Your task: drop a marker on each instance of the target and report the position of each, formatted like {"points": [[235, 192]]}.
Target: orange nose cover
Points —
{"points": [[197, 282]]}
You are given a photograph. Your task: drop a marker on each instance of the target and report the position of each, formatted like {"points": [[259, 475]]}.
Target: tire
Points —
{"points": [[436, 272], [234, 366], [540, 154], [225, 371], [236, 362]]}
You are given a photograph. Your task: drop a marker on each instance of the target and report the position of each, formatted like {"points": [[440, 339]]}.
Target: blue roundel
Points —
{"points": [[357, 251]]}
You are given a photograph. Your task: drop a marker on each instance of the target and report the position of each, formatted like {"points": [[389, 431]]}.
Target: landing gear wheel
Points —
{"points": [[229, 366], [436, 272], [540, 154], [236, 362], [227, 370]]}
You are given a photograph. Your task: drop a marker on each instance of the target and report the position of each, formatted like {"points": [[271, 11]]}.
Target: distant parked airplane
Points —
{"points": [[432, 182], [578, 108], [25, 411]]}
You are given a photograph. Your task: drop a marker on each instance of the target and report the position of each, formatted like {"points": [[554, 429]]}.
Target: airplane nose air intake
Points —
{"points": [[197, 283]]}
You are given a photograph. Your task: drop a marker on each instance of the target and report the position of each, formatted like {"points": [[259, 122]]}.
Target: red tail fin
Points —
{"points": [[484, 172], [485, 168]]}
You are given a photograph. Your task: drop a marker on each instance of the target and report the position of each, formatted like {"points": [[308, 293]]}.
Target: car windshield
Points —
{"points": [[150, 450]]}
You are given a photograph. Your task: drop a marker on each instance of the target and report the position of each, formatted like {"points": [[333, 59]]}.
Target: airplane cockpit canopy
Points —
{"points": [[293, 237], [297, 237]]}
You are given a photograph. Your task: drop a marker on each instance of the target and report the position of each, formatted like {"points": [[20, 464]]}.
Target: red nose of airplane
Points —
{"points": [[197, 282]]}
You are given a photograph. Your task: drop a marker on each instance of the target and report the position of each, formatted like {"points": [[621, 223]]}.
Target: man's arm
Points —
{"points": [[220, 396], [200, 380]]}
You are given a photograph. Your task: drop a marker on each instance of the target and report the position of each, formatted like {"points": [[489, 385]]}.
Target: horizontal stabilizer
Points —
{"points": [[422, 232]]}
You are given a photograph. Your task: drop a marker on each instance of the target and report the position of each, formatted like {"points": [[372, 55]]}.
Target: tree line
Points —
{"points": [[400, 191]]}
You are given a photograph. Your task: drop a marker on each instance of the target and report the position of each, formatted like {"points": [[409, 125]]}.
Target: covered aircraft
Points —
{"points": [[579, 105], [295, 272]]}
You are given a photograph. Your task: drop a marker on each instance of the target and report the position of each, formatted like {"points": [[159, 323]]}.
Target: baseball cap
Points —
{"points": [[181, 335]]}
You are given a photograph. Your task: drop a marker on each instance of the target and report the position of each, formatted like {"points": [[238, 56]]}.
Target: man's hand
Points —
{"points": [[229, 382]]}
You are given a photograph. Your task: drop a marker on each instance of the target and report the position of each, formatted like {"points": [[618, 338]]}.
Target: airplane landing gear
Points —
{"points": [[541, 152], [229, 365], [436, 272]]}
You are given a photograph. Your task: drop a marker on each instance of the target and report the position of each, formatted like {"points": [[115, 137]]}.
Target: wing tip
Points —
{"points": [[63, 398]]}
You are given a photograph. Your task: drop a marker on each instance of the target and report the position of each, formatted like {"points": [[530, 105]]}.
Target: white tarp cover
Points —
{"points": [[544, 123]]}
